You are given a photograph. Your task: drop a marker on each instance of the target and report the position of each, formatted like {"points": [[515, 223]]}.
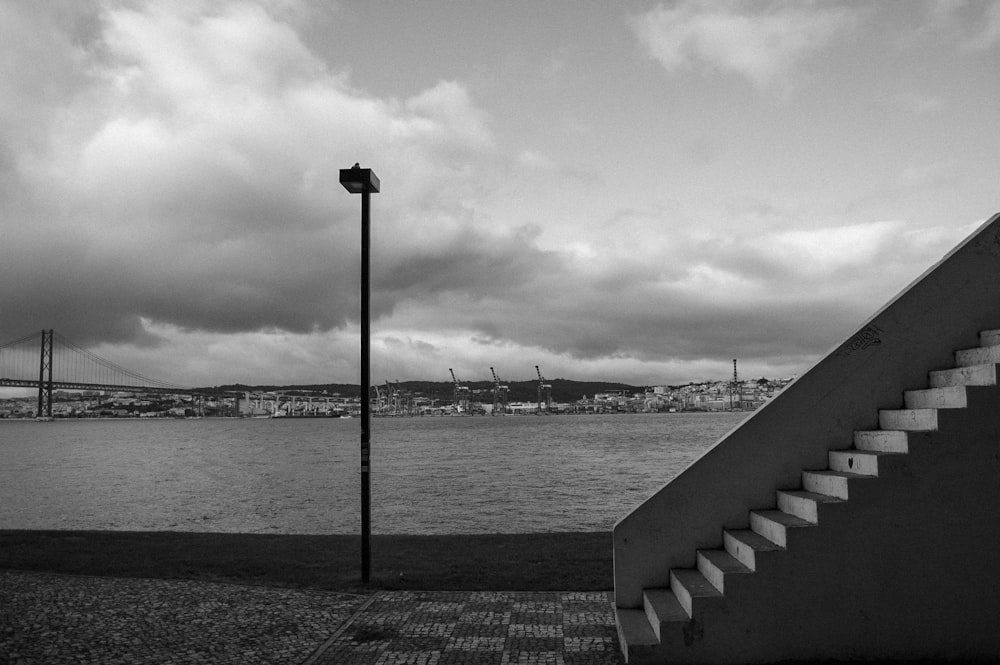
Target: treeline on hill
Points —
{"points": [[563, 390], [343, 389]]}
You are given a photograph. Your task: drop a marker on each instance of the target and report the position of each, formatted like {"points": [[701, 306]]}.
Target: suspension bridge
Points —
{"points": [[48, 361]]}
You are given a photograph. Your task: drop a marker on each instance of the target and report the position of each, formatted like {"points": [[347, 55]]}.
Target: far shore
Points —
{"points": [[494, 562]]}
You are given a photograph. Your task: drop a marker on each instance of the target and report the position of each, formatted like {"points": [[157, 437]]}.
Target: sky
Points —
{"points": [[614, 191]]}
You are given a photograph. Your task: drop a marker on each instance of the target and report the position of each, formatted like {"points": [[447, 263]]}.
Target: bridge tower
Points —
{"points": [[45, 377]]}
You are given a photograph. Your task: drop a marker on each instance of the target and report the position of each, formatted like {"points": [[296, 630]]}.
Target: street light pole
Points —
{"points": [[366, 382], [362, 181]]}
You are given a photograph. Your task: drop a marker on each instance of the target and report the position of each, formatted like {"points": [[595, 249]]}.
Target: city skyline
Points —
{"points": [[633, 192]]}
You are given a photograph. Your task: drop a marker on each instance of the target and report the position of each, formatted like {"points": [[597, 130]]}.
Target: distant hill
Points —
{"points": [[563, 390], [345, 389]]}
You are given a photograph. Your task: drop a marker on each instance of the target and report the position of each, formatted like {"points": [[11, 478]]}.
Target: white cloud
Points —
{"points": [[199, 157], [920, 104], [762, 45], [929, 175], [974, 25], [988, 34], [536, 160], [942, 13]]}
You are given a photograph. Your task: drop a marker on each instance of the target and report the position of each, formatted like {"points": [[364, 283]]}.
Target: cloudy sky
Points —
{"points": [[629, 191]]}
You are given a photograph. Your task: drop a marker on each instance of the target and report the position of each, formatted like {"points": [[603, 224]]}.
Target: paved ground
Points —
{"points": [[93, 620]]}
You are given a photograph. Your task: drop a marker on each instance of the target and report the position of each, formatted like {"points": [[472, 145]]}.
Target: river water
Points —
{"points": [[429, 475]]}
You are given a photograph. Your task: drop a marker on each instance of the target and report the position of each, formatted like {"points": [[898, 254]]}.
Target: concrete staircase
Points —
{"points": [[890, 552]]}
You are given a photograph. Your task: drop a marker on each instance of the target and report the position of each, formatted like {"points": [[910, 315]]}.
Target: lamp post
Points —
{"points": [[357, 180]]}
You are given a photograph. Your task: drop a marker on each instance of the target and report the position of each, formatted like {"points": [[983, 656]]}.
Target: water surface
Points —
{"points": [[429, 475]]}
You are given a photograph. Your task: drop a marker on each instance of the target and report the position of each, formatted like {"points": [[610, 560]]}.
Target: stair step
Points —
{"points": [[774, 524], [831, 483], [989, 338], [803, 504], [640, 630], [882, 441], [950, 397], [908, 420], [662, 607], [973, 375], [634, 630], [977, 356], [692, 589], [861, 462], [715, 565], [748, 546]]}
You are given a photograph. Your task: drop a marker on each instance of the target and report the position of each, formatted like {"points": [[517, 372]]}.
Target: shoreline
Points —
{"points": [[492, 562], [60, 418]]}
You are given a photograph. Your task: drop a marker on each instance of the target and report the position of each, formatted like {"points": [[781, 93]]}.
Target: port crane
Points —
{"points": [[405, 404], [500, 395], [543, 388], [397, 402], [460, 396]]}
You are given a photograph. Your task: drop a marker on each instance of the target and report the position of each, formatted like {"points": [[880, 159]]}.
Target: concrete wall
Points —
{"points": [[903, 570], [916, 332]]}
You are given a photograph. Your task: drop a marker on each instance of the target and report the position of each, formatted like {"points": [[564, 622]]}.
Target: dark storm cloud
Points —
{"points": [[482, 264], [769, 297], [653, 327], [180, 183]]}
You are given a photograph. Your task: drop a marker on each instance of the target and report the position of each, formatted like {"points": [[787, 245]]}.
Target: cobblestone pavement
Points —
{"points": [[495, 628], [96, 621], [55, 619]]}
